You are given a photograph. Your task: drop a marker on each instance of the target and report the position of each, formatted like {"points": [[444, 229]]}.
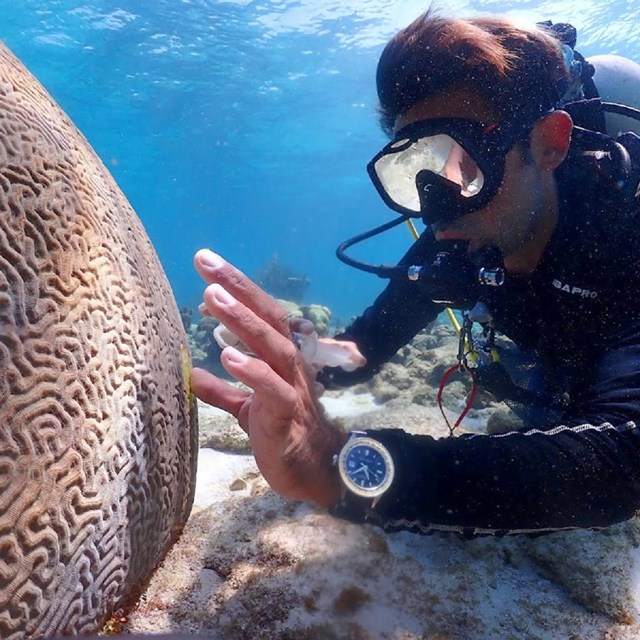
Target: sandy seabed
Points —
{"points": [[250, 565]]}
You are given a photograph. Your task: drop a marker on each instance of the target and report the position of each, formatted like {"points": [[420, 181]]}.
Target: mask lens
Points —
{"points": [[441, 154]]}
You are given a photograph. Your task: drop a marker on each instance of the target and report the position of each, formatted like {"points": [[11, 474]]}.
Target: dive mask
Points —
{"points": [[440, 169]]}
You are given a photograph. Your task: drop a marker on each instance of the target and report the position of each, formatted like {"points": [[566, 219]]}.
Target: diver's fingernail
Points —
{"points": [[210, 260], [222, 296], [235, 356]]}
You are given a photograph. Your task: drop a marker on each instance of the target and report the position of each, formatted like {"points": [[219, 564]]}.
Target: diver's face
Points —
{"points": [[511, 219]]}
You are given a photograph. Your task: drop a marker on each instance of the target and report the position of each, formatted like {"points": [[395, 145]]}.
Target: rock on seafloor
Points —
{"points": [[98, 435], [251, 565]]}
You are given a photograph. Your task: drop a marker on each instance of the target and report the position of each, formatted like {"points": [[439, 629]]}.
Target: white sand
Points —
{"points": [[349, 405], [250, 565]]}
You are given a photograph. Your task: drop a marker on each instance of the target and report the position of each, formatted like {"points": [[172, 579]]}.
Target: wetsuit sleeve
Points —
{"points": [[583, 473], [397, 315]]}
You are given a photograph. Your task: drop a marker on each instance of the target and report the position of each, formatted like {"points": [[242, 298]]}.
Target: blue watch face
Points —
{"points": [[365, 466]]}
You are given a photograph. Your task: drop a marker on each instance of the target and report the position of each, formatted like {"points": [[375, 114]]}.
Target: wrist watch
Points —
{"points": [[365, 466]]}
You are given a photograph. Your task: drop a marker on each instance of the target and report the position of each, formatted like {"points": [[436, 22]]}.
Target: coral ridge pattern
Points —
{"points": [[98, 431]]}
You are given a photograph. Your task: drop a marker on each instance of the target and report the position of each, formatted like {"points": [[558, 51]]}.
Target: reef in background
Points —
{"points": [[282, 281]]}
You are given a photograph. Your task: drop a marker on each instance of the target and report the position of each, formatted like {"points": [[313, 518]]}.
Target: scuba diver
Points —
{"points": [[523, 165]]}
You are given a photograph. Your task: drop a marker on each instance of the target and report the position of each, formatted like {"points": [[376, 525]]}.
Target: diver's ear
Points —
{"points": [[549, 140]]}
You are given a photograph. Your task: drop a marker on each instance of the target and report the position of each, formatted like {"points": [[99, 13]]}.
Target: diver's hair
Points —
{"points": [[515, 69]]}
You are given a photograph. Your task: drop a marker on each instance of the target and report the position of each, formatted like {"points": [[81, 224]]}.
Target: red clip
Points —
{"points": [[472, 395]]}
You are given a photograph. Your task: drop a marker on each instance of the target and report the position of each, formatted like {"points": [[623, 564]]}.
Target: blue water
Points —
{"points": [[245, 126]]}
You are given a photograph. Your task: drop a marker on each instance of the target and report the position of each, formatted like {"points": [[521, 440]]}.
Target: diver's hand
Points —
{"points": [[292, 441]]}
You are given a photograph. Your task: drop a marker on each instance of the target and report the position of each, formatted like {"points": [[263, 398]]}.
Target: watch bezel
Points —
{"points": [[373, 492]]}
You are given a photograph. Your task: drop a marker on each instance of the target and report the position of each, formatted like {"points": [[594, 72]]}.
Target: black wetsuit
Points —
{"points": [[580, 311]]}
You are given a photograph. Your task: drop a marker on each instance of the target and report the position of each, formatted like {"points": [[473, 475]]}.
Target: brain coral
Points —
{"points": [[98, 435]]}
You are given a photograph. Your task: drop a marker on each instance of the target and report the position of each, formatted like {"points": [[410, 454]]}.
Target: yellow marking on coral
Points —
{"points": [[190, 397]]}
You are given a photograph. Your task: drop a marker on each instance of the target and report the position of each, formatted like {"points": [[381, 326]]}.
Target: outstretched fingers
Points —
{"points": [[215, 269], [257, 334], [217, 392], [277, 398]]}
